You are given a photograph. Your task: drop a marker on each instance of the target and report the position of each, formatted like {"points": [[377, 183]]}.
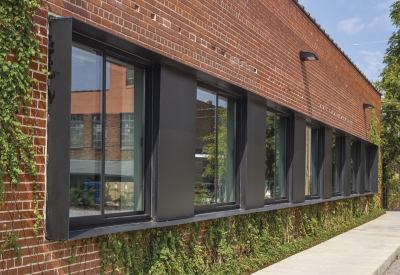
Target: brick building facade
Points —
{"points": [[244, 50]]}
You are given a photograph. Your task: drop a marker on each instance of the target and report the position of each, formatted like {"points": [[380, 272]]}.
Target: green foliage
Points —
{"points": [[72, 258], [36, 211], [17, 36], [390, 121], [10, 241], [18, 48], [233, 245], [211, 148]]}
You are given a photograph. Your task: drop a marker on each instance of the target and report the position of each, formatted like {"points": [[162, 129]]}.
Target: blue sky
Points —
{"points": [[351, 22]]}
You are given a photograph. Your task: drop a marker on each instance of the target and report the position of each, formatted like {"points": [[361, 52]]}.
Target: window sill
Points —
{"points": [[115, 228]]}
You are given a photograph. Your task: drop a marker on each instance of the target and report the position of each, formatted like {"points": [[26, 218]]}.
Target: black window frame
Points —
{"points": [[84, 222], [368, 169], [319, 161], [355, 163], [339, 141], [289, 135], [200, 209]]}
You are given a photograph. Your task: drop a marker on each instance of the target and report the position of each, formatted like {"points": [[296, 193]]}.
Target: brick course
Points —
{"points": [[253, 44]]}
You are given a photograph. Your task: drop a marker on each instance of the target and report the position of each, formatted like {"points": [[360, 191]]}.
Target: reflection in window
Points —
{"points": [[367, 164], [127, 130], [337, 146], [76, 136], [130, 77], [96, 131], [311, 159], [121, 188], [86, 69], [85, 164], [275, 159], [215, 149], [353, 163]]}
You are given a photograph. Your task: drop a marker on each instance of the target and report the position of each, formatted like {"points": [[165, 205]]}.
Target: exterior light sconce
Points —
{"points": [[368, 106], [307, 56]]}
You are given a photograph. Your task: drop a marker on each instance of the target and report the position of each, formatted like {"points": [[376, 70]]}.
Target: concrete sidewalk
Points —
{"points": [[364, 250]]}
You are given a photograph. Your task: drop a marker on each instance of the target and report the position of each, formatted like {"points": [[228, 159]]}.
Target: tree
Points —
{"points": [[390, 125]]}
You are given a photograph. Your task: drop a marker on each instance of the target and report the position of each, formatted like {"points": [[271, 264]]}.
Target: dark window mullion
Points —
{"points": [[103, 131], [275, 161], [216, 185]]}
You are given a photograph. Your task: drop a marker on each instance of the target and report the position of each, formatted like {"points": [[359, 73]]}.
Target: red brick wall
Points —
{"points": [[254, 44]]}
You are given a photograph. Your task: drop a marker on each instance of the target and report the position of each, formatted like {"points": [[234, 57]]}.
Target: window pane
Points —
{"points": [[311, 159], [270, 158], [336, 162], [85, 159], [205, 148], [280, 170], [367, 169], [352, 164], [124, 115], [226, 152], [275, 160], [85, 69]]}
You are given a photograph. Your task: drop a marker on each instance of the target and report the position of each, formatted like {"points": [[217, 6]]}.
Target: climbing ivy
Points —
{"points": [[374, 137], [233, 245], [18, 48]]}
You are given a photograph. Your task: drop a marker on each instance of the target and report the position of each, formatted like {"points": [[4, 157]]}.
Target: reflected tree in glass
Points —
{"points": [[217, 150], [275, 158]]}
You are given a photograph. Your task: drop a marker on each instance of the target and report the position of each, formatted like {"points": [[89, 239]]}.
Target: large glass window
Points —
{"points": [[275, 159], [312, 161], [367, 164], [106, 174], [214, 149], [353, 163], [337, 149]]}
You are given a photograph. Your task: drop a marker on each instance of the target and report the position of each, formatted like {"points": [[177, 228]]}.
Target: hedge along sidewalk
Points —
{"points": [[367, 249]]}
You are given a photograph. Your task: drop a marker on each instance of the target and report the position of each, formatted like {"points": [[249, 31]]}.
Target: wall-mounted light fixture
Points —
{"points": [[368, 106], [307, 56]]}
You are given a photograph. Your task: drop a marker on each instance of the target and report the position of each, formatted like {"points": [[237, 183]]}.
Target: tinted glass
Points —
{"points": [[275, 159], [311, 186], [85, 159], [205, 173], [123, 152], [214, 148]]}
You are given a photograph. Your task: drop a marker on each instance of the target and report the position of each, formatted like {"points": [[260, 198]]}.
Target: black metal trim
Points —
{"points": [[112, 52], [238, 147], [97, 231], [289, 137]]}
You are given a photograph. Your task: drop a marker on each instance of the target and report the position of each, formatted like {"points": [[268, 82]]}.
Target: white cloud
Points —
{"points": [[375, 21], [372, 63], [351, 26]]}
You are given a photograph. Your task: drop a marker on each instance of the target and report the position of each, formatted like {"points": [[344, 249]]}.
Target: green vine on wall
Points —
{"points": [[233, 245], [374, 137], [373, 134], [19, 47]]}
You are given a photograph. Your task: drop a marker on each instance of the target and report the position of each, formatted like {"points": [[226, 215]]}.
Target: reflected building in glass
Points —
{"points": [[104, 179]]}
